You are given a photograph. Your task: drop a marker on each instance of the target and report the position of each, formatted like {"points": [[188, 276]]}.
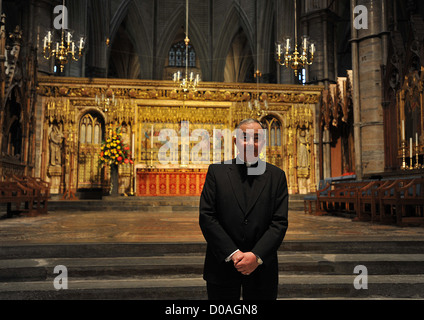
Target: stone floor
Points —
{"points": [[149, 227]]}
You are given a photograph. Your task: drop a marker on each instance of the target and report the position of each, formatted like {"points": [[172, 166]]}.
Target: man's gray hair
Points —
{"points": [[249, 120]]}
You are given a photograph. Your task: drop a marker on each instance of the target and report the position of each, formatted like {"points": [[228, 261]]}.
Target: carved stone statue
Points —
{"points": [[303, 160], [56, 137]]}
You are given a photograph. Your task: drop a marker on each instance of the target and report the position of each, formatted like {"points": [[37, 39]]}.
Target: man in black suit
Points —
{"points": [[244, 218]]}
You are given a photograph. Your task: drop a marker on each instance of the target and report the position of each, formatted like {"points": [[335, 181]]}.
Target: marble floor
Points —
{"points": [[181, 226]]}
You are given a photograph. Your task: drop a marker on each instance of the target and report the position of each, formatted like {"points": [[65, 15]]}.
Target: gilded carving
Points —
{"points": [[144, 108]]}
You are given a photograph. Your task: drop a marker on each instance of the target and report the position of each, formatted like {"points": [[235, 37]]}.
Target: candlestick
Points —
{"points": [[132, 146], [403, 147], [151, 139]]}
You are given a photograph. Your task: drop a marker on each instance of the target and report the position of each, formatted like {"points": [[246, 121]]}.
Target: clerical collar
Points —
{"points": [[247, 163]]}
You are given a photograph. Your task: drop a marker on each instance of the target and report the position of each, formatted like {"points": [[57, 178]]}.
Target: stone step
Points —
{"points": [[87, 250], [186, 266], [316, 270], [193, 288], [167, 204]]}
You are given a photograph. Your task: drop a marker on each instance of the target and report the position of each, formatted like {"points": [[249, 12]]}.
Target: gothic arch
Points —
{"points": [[197, 39], [118, 17], [235, 20]]}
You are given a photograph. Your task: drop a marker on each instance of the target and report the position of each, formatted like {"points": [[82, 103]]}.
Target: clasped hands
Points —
{"points": [[245, 262]]}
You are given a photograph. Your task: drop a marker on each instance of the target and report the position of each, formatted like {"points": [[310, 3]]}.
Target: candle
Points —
{"points": [[81, 44], [49, 36], [45, 42], [312, 48], [73, 48], [133, 146], [403, 130], [288, 44], [279, 49], [416, 139], [304, 43], [57, 46], [410, 147], [68, 37], [191, 76], [151, 139]]}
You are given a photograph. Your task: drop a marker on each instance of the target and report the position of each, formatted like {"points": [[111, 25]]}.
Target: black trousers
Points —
{"points": [[248, 290]]}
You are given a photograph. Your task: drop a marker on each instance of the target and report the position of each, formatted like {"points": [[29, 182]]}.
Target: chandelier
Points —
{"points": [[294, 59], [106, 101], [188, 82], [65, 49], [257, 109]]}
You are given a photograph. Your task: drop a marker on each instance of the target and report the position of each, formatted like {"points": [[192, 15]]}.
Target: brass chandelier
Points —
{"points": [[294, 59], [65, 49], [188, 82]]}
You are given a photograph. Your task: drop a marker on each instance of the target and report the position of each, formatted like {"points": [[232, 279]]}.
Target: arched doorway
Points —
{"points": [[274, 137], [91, 133]]}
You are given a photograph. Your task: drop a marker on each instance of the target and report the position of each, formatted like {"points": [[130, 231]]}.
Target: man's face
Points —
{"points": [[250, 139]]}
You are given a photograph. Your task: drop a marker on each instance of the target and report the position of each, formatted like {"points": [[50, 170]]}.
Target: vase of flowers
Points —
{"points": [[113, 153]]}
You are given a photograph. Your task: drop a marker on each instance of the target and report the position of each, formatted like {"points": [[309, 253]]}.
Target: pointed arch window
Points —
{"points": [[176, 55]]}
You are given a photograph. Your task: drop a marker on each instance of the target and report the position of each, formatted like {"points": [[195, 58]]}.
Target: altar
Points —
{"points": [[169, 182]]}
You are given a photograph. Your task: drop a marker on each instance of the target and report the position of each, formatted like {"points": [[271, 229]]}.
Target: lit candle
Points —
{"points": [[312, 48], [416, 139], [73, 48], [410, 147], [197, 78], [288, 44], [151, 139], [49, 36], [403, 130], [68, 37], [279, 49], [81, 43], [45, 42], [304, 43], [191, 76]]}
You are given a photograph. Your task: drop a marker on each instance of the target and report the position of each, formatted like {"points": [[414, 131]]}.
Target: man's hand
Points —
{"points": [[245, 262]]}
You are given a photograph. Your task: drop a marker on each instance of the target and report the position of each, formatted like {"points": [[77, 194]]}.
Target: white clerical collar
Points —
{"points": [[247, 163]]}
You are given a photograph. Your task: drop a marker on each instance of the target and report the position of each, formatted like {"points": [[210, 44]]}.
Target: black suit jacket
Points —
{"points": [[228, 223]]}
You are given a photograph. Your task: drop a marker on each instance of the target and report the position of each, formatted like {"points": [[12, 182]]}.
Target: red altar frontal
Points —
{"points": [[170, 182]]}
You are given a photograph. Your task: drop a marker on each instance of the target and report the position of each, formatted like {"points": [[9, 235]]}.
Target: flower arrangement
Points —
{"points": [[113, 151]]}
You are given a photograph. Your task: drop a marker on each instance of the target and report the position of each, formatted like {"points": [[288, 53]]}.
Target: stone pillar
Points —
{"points": [[367, 58]]}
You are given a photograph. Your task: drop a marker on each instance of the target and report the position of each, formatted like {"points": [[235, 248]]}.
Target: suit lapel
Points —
{"points": [[236, 185], [258, 187]]}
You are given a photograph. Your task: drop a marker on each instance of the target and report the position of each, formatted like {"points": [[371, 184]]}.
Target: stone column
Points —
{"points": [[367, 58]]}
